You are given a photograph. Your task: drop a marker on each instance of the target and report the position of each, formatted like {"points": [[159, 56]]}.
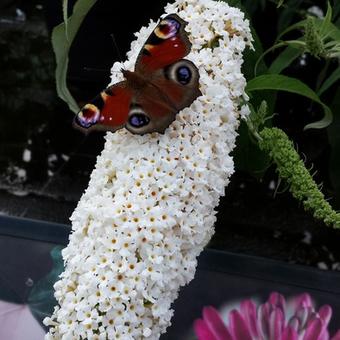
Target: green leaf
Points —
{"points": [[326, 20], [298, 25], [334, 77], [65, 16], [284, 59], [333, 32], [280, 3], [297, 44], [283, 83], [61, 43], [41, 299]]}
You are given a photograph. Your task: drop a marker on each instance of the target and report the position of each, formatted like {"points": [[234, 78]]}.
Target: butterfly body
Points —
{"points": [[134, 80], [149, 98]]}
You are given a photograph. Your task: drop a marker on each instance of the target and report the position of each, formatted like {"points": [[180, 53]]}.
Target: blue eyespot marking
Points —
{"points": [[88, 116], [138, 120], [174, 26], [183, 75], [168, 28]]}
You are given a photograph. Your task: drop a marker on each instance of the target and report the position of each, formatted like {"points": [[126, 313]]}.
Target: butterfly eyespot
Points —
{"points": [[167, 28], [88, 116], [183, 75], [138, 120], [183, 72]]}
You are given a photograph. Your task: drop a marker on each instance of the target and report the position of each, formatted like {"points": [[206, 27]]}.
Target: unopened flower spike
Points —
{"points": [[292, 169], [149, 209], [314, 43]]}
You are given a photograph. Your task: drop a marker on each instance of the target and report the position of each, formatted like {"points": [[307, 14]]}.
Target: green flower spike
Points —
{"points": [[292, 169], [313, 40]]}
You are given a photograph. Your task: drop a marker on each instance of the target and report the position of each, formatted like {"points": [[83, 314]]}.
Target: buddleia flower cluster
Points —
{"points": [[149, 209]]}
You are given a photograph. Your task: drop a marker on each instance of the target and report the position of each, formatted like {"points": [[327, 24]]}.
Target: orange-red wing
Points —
{"points": [[108, 111], [116, 107], [167, 44], [162, 55]]}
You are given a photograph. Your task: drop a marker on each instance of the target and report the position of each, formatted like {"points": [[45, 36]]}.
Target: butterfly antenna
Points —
{"points": [[117, 48]]}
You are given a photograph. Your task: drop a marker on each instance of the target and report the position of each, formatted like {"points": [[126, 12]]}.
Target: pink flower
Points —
{"points": [[273, 320]]}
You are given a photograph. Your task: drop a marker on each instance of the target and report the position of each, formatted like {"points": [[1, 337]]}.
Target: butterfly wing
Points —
{"points": [[108, 111], [167, 44]]}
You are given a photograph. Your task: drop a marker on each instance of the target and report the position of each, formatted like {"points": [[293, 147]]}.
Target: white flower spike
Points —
{"points": [[149, 211]]}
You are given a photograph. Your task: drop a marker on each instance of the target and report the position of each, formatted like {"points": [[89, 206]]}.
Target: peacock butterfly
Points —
{"points": [[162, 84]]}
